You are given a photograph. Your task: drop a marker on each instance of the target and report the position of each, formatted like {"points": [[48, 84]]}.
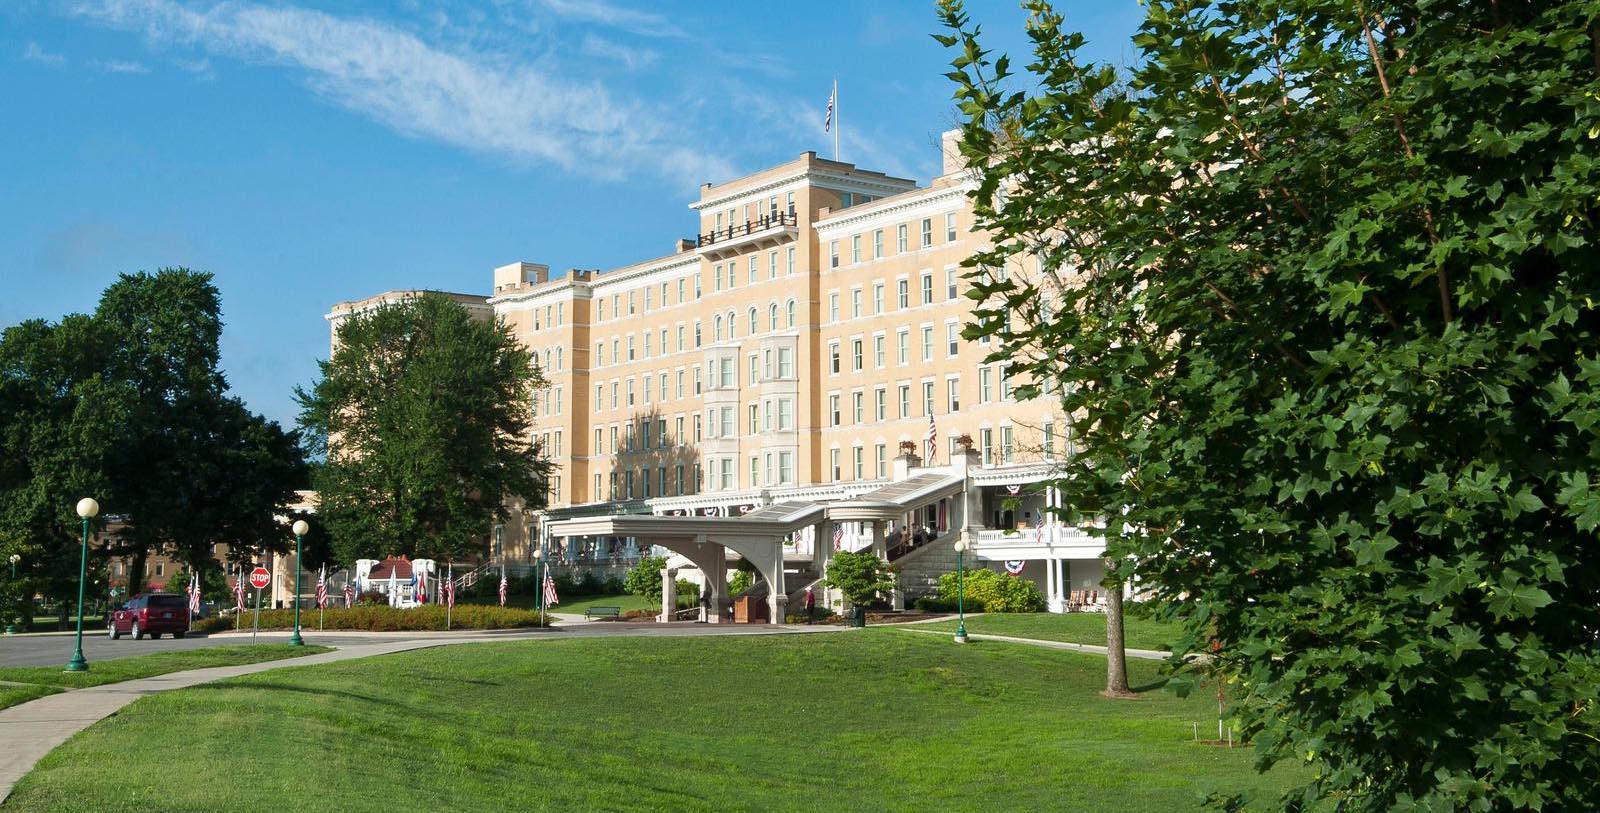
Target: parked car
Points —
{"points": [[151, 614]]}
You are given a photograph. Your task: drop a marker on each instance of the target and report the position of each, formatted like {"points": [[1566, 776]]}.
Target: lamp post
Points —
{"points": [[961, 590], [87, 509], [300, 528], [11, 622]]}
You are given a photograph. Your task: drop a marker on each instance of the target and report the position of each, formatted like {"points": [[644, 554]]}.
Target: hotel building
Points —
{"points": [[787, 361]]}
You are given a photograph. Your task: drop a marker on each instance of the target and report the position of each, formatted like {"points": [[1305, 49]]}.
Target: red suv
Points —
{"points": [[151, 614]]}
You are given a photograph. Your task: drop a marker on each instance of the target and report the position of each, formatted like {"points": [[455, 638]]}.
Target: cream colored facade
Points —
{"points": [[785, 352]]}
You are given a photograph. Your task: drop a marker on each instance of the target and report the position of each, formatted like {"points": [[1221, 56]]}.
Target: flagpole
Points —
{"points": [[835, 118]]}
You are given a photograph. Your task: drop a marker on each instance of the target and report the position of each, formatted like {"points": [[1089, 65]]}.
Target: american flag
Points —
{"points": [[238, 590], [550, 599], [194, 593], [502, 588], [349, 592], [838, 537], [322, 588], [827, 121], [932, 439], [449, 588]]}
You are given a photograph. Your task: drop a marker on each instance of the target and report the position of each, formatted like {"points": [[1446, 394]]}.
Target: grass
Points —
{"points": [[1076, 628], [867, 720], [11, 695], [158, 663], [578, 604]]}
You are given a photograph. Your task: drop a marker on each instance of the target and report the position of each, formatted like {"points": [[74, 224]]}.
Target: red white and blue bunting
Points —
{"points": [[1015, 566]]}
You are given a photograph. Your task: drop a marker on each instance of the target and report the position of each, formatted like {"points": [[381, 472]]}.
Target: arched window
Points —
{"points": [[772, 316], [716, 329], [755, 325], [791, 313], [733, 325], [558, 359]]}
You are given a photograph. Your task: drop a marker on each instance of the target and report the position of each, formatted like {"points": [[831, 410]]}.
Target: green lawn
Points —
{"points": [[867, 720], [11, 695], [159, 663], [1076, 628]]}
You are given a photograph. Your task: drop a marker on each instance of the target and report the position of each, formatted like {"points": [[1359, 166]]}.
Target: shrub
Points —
{"points": [[644, 579], [372, 598], [383, 618], [935, 604], [740, 582], [824, 616], [860, 576], [990, 592]]}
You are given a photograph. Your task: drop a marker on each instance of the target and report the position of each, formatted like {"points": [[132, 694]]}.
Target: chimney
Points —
{"points": [[950, 151], [685, 244]]}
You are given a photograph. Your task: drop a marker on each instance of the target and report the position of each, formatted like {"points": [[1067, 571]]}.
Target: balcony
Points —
{"points": [[767, 230]]}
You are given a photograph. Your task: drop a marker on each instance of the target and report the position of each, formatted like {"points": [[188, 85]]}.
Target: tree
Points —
{"points": [[128, 404], [644, 578], [1315, 289], [423, 416], [861, 577]]}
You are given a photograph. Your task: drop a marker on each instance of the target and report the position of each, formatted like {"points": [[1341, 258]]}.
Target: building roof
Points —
{"points": [[399, 565]]}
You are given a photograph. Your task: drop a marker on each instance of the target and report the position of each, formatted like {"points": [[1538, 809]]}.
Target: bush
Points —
{"points": [[372, 599], [990, 592], [824, 616], [740, 582], [935, 604], [383, 618], [644, 579], [860, 576]]}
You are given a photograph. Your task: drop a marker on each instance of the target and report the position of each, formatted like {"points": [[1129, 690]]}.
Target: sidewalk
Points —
{"points": [[1142, 654]]}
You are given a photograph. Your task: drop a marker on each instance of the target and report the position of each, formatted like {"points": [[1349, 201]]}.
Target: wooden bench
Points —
{"points": [[602, 612]]}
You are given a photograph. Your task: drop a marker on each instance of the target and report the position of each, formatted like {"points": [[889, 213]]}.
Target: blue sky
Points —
{"points": [[307, 153]]}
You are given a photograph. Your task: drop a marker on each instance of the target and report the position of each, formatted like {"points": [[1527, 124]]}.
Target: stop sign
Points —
{"points": [[260, 578]]}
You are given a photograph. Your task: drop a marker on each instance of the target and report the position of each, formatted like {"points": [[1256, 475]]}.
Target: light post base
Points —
{"points": [[77, 664], [961, 634], [296, 640]]}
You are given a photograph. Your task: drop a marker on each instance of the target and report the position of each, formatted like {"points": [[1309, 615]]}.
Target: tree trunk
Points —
{"points": [[1116, 652]]}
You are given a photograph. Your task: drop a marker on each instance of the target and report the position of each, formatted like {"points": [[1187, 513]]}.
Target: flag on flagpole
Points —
{"points": [[827, 120], [394, 588], [502, 588], [838, 537], [238, 590], [421, 587], [322, 588], [932, 439], [194, 593], [449, 587], [349, 592], [550, 599]]}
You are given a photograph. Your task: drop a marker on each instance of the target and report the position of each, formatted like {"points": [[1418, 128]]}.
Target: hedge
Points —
{"points": [[383, 618], [990, 592]]}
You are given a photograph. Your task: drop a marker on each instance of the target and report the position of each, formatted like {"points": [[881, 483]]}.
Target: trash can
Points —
{"points": [[857, 617]]}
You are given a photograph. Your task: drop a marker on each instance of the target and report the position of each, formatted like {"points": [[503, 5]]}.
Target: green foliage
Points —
{"points": [[861, 577], [991, 592], [128, 405], [423, 415], [1319, 280], [644, 578], [740, 581], [383, 618]]}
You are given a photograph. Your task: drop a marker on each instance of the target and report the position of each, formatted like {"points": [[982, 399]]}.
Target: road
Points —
{"points": [[45, 650]]}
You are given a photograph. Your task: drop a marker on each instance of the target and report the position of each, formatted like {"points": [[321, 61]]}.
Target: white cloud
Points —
{"points": [[119, 66], [33, 53], [532, 114], [628, 56], [595, 11]]}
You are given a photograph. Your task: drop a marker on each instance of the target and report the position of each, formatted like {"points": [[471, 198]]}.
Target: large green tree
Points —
{"points": [[128, 405], [1316, 283], [423, 415]]}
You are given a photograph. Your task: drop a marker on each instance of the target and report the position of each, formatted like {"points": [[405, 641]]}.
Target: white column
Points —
{"points": [[1057, 594], [669, 594]]}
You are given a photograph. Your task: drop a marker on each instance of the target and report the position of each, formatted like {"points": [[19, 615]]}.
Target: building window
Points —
{"points": [[772, 316], [880, 454], [1049, 440], [833, 464], [785, 468], [927, 289], [785, 414], [858, 454], [905, 293], [927, 232], [791, 314], [772, 265], [950, 227], [877, 244], [752, 266], [877, 350], [927, 343], [833, 358], [755, 427], [927, 398], [785, 363], [755, 471], [791, 204], [950, 281], [985, 376], [855, 248], [855, 303], [905, 400], [833, 307], [856, 399], [986, 443], [833, 409], [881, 404], [753, 371], [1005, 444], [697, 381], [833, 253], [952, 336], [877, 298], [855, 354], [900, 240], [790, 269], [954, 386], [903, 348]]}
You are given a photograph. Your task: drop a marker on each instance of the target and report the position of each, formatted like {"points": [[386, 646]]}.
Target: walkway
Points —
{"points": [[32, 729], [1142, 654]]}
